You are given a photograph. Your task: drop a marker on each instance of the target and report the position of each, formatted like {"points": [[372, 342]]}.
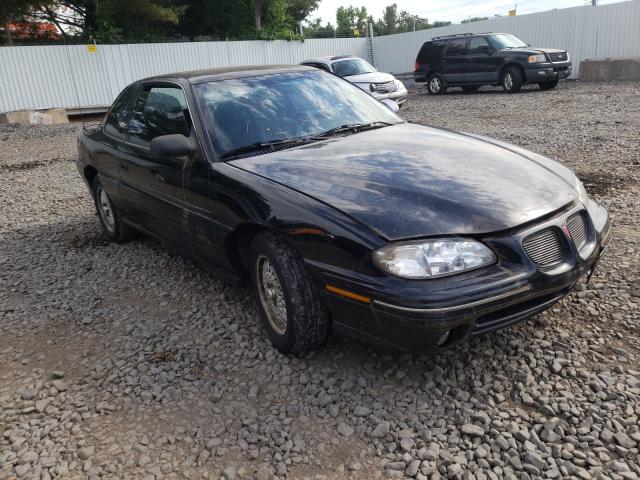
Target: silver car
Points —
{"points": [[361, 73]]}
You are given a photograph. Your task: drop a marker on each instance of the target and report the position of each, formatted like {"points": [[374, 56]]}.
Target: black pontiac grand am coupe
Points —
{"points": [[343, 216]]}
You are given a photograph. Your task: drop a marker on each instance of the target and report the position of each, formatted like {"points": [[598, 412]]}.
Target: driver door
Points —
{"points": [[152, 188]]}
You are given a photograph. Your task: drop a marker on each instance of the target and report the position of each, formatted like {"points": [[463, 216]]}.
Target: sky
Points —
{"points": [[451, 10]]}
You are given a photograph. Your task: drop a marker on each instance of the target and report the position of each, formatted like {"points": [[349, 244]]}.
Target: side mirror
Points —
{"points": [[171, 146], [391, 105]]}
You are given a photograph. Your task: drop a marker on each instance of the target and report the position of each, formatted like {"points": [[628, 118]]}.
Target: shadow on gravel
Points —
{"points": [[601, 183], [18, 167]]}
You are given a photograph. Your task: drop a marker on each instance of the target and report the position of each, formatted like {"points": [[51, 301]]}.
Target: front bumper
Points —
{"points": [[442, 312], [399, 96], [545, 72]]}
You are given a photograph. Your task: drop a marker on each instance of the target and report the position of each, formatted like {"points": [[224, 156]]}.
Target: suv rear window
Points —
{"points": [[457, 47], [431, 52]]}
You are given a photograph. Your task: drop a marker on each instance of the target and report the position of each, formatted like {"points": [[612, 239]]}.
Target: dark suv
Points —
{"points": [[471, 60]]}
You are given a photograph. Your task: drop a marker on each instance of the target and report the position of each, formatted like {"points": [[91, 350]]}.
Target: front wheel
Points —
{"points": [[512, 80], [435, 84], [548, 85], [289, 303]]}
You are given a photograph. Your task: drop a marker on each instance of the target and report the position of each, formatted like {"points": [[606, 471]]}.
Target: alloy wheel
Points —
{"points": [[271, 295], [435, 84], [106, 210], [508, 81]]}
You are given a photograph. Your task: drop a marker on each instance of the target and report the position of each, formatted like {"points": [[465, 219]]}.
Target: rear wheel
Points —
{"points": [[548, 85], [470, 88], [109, 215], [435, 84], [289, 303], [512, 80]]}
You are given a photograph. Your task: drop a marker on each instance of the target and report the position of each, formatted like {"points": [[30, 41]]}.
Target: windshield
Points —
{"points": [[245, 111], [352, 66], [506, 41]]}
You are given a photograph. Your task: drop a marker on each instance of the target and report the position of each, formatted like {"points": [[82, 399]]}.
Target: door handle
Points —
{"points": [[158, 176]]}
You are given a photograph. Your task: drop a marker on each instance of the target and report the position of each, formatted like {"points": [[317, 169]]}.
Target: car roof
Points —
{"points": [[207, 75]]}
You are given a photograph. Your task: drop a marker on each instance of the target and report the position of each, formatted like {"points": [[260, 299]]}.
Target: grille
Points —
{"points": [[385, 87], [578, 230], [544, 247], [559, 56]]}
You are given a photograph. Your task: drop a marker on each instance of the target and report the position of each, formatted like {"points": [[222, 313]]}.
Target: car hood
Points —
{"points": [[408, 180], [373, 77], [533, 50]]}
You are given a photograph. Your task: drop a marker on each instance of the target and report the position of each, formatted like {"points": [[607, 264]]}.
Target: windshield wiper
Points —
{"points": [[295, 141], [352, 127], [257, 146]]}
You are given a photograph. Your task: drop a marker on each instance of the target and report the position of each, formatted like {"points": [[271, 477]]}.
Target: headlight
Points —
{"points": [[582, 192], [399, 84], [537, 59], [432, 258]]}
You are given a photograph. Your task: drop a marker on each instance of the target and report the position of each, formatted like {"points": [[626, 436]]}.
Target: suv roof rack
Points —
{"points": [[453, 35], [460, 35]]}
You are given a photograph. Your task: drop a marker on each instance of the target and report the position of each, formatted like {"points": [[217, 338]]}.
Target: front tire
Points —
{"points": [[548, 85], [435, 84], [512, 80], [109, 215], [289, 303]]}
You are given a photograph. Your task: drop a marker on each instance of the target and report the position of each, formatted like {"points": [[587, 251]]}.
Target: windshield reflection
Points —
{"points": [[289, 105], [352, 66], [506, 41]]}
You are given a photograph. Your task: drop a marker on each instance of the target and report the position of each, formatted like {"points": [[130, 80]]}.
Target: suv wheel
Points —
{"points": [[548, 85], [435, 84], [289, 303], [512, 80]]}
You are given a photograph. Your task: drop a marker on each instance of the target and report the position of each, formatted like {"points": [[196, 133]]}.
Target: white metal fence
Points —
{"points": [[586, 32], [71, 76]]}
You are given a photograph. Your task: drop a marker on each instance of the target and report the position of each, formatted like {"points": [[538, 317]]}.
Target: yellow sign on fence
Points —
{"points": [[92, 48], [512, 13]]}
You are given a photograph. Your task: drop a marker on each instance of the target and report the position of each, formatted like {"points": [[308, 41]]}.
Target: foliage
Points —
{"points": [[352, 20], [12, 11], [394, 22], [112, 21], [475, 19]]}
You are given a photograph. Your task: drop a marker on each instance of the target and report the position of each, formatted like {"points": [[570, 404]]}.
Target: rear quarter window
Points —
{"points": [[430, 52], [116, 122]]}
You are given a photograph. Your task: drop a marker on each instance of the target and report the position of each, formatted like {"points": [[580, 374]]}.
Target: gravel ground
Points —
{"points": [[127, 361]]}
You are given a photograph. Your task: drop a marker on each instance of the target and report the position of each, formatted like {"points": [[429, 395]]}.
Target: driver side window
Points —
{"points": [[479, 46], [158, 110]]}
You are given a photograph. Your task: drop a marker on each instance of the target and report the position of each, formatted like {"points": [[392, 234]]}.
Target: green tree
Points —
{"points": [[111, 20], [388, 24], [315, 29], [474, 19], [351, 18], [299, 10], [408, 22], [12, 11]]}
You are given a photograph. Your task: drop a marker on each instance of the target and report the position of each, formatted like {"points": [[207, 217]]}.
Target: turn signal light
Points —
{"points": [[347, 294]]}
